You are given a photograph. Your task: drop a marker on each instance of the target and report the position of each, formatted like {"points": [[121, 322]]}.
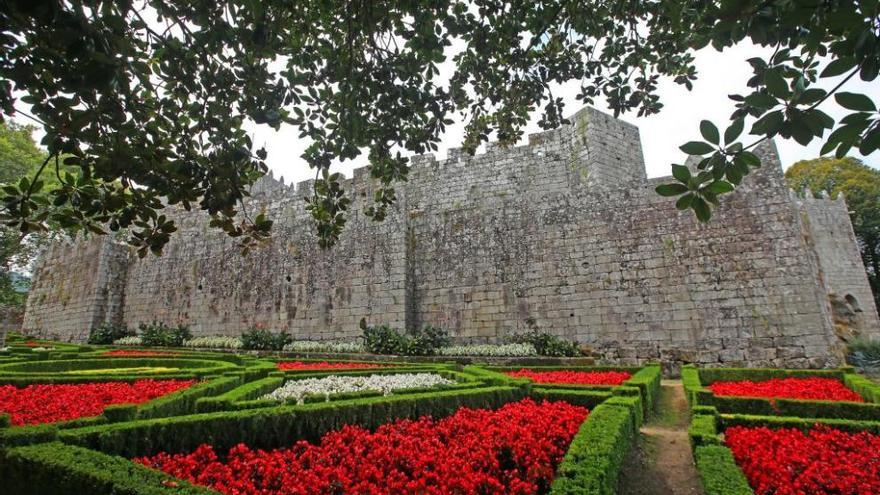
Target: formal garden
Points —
{"points": [[177, 419]]}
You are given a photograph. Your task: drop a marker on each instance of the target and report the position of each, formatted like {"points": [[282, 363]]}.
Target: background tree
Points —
{"points": [[20, 157], [860, 185], [149, 98]]}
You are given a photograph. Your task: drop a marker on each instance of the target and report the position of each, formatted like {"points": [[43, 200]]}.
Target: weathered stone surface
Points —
{"points": [[565, 234]]}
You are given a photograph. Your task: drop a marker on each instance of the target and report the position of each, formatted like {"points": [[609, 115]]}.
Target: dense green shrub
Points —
{"points": [[427, 341], [262, 339], [109, 332], [547, 345], [382, 339], [158, 334], [864, 353], [719, 473]]}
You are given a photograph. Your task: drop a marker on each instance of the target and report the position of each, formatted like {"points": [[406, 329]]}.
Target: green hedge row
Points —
{"points": [[869, 390], [277, 426], [709, 376], [719, 473], [586, 398], [247, 395], [645, 379], [593, 461], [803, 424], [790, 407], [48, 467], [192, 366], [694, 381]]}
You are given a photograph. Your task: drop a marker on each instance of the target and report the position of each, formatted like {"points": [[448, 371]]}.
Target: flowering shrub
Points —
{"points": [[324, 346], [812, 388], [216, 342], [324, 365], [331, 385], [489, 350], [573, 377], [136, 353], [128, 341], [823, 461], [513, 450], [48, 403]]}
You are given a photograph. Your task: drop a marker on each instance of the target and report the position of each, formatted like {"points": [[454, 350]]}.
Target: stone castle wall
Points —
{"points": [[564, 234]]}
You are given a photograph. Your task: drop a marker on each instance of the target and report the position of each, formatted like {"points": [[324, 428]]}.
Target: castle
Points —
{"points": [[565, 234]]}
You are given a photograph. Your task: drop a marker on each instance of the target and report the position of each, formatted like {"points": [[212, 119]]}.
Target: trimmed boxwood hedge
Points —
{"points": [[585, 398], [83, 454], [646, 379], [695, 380], [247, 396], [719, 473], [46, 468], [277, 426], [185, 366], [593, 461]]}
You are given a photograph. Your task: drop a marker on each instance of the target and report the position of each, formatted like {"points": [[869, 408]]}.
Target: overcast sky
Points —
{"points": [[720, 74]]}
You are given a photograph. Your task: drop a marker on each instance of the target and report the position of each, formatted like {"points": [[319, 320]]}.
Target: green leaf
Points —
{"points": [[696, 148], [750, 159], [838, 67], [709, 131], [685, 201], [775, 83], [682, 173], [719, 187], [855, 101], [701, 208], [733, 132], [671, 189], [769, 124]]}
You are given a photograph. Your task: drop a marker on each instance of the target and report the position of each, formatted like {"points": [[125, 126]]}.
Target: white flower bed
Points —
{"points": [[334, 384], [128, 341], [215, 342], [324, 346], [503, 350]]}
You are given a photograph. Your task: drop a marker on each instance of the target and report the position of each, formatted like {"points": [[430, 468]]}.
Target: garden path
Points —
{"points": [[661, 463]]}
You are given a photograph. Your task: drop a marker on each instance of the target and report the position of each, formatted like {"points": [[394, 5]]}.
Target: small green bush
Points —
{"points": [[864, 353], [158, 334], [109, 332], [382, 339], [427, 341], [548, 345], [262, 339]]}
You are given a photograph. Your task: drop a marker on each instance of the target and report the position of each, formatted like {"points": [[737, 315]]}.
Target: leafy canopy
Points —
{"points": [[149, 98], [860, 186]]}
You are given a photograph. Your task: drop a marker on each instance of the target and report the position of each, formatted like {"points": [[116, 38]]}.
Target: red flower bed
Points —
{"points": [[813, 388], [573, 377], [514, 450], [136, 353], [48, 403], [823, 461], [324, 365]]}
